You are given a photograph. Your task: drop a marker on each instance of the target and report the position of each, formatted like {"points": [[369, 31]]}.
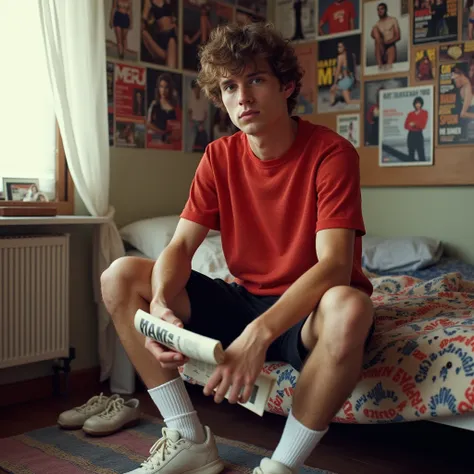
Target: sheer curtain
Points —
{"points": [[74, 40]]}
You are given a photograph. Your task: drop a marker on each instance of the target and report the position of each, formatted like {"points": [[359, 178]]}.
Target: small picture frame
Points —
{"points": [[23, 189]]}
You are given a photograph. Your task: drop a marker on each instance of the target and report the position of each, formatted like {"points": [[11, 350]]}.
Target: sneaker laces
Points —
{"points": [[160, 450], [112, 408], [91, 403]]}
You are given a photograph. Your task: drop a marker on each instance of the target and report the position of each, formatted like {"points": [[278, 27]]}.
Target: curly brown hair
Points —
{"points": [[232, 47]]}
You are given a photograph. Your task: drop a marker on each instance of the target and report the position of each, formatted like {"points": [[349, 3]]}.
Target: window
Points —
{"points": [[30, 146]]}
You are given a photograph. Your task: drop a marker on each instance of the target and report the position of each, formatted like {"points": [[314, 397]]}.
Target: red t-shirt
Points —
{"points": [[420, 120], [268, 212], [338, 16]]}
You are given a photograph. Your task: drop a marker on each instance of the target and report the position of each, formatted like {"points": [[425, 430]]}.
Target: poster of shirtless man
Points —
{"points": [[388, 37]]}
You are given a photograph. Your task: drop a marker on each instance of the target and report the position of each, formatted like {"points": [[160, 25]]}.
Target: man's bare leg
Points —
{"points": [[337, 332], [378, 46], [126, 287]]}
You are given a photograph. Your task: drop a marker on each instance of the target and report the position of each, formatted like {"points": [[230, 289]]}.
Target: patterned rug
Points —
{"points": [[52, 450]]}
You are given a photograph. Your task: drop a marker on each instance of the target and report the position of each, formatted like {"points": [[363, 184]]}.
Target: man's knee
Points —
{"points": [[123, 277], [346, 316]]}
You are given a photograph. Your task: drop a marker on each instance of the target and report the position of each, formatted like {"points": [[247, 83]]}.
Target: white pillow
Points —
{"points": [[152, 235], [209, 259], [400, 253]]}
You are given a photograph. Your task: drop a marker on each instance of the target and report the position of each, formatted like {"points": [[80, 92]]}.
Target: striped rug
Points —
{"points": [[54, 451]]}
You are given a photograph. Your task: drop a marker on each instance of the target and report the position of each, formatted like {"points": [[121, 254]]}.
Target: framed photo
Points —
{"points": [[21, 189]]}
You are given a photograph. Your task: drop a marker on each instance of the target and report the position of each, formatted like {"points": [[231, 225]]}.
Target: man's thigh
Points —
{"points": [[218, 309]]}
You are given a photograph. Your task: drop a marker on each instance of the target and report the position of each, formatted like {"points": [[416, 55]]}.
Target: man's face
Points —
{"points": [[381, 11], [255, 99]]}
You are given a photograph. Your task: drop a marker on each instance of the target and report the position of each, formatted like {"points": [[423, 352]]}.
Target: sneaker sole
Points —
{"points": [[130, 424], [213, 468]]}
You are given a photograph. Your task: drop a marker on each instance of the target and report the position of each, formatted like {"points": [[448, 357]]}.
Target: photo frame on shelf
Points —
{"points": [[22, 189]]}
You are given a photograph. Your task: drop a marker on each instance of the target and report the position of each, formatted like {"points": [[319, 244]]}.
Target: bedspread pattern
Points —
{"points": [[420, 363]]}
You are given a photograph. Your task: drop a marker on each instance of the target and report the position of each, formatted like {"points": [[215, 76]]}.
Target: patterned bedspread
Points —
{"points": [[420, 363]]}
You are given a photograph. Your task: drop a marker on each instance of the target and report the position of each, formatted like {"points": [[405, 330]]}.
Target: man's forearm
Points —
{"points": [[170, 275], [301, 298]]}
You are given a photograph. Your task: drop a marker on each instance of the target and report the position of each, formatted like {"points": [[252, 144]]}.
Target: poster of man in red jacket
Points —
{"points": [[406, 127]]}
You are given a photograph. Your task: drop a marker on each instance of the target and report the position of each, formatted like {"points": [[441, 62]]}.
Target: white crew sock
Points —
{"points": [[176, 408], [296, 443]]}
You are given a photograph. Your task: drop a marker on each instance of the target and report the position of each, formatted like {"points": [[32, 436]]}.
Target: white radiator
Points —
{"points": [[34, 298]]}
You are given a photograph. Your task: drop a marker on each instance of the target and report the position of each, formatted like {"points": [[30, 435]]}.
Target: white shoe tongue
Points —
{"points": [[173, 435]]}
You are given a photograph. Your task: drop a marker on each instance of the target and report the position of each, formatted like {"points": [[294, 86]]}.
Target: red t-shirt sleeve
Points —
{"points": [[202, 204], [338, 191]]}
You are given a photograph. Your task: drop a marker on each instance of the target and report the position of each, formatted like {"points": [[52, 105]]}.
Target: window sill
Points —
{"points": [[52, 220]]}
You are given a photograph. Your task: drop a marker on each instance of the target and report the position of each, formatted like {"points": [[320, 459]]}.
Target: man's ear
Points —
{"points": [[289, 88]]}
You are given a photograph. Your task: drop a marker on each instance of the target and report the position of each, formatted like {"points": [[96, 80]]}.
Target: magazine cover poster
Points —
{"points": [[387, 37], [159, 36], [372, 106], [257, 7], [435, 20], [129, 101], [110, 100], [199, 18], [338, 18], [197, 116], [406, 126], [425, 64], [456, 52], [468, 20], [164, 110], [339, 74], [348, 126], [296, 19], [122, 29], [455, 104], [306, 101]]}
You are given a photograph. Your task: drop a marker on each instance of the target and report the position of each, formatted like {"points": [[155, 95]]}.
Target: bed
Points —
{"points": [[420, 362]]}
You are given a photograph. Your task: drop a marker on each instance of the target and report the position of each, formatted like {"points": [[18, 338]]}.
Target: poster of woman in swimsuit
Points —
{"points": [[199, 18], [122, 29], [338, 74], [164, 115], [387, 37], [159, 32]]}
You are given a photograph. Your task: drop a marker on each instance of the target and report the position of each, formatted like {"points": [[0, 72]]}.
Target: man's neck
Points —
{"points": [[277, 142]]}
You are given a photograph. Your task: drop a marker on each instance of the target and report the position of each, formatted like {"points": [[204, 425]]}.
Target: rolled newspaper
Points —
{"points": [[186, 342]]}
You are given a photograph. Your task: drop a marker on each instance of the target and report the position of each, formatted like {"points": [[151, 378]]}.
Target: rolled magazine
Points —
{"points": [[204, 354]]}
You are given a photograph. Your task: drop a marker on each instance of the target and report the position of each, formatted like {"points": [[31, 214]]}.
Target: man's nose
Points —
{"points": [[245, 96]]}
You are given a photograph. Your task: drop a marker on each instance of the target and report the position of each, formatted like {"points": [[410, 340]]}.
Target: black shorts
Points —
{"points": [[122, 20], [222, 310]]}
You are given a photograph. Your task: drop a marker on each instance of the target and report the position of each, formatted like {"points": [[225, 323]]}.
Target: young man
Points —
{"points": [[285, 196], [386, 34]]}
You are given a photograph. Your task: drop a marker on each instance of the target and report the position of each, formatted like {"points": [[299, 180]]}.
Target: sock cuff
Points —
{"points": [[304, 428], [162, 386], [177, 417]]}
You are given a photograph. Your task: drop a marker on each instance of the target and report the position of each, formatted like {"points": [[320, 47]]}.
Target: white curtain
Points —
{"points": [[74, 39]]}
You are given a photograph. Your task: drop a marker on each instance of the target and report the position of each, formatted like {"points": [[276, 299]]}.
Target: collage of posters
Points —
{"points": [[406, 125], [153, 99]]}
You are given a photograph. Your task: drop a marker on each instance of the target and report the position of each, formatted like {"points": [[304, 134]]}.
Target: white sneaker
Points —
{"points": [[75, 418], [119, 414], [269, 466], [173, 454]]}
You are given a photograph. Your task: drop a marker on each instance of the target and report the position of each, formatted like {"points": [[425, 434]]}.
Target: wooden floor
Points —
{"points": [[408, 448]]}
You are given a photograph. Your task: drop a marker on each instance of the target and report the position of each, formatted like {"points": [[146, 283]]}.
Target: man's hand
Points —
{"points": [[168, 358], [243, 362]]}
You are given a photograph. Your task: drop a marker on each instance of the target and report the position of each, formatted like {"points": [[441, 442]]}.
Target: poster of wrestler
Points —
{"points": [[338, 74], [164, 110], [348, 126], [372, 91], [296, 19], [338, 18], [435, 20], [387, 37], [122, 29], [456, 103], [406, 126], [306, 101], [199, 18], [425, 64], [159, 32], [196, 119]]}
